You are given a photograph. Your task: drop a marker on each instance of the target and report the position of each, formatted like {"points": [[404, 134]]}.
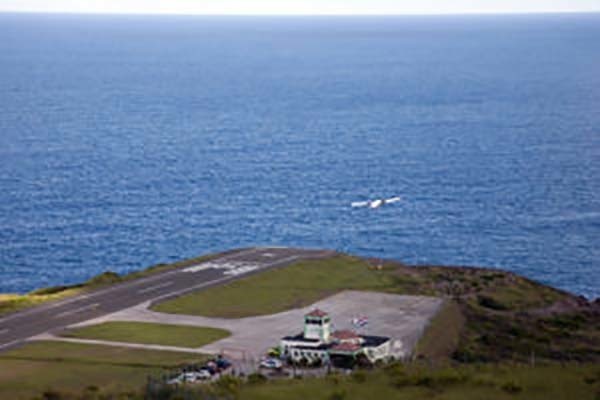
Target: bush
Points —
{"points": [[359, 376], [228, 384], [338, 395], [53, 395], [395, 368], [450, 376], [511, 387], [256, 378], [50, 290], [104, 278], [490, 302]]}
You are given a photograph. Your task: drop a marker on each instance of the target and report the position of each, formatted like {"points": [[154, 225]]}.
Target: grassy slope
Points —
{"points": [[149, 333], [278, 290], [441, 337], [38, 366], [14, 302], [416, 382]]}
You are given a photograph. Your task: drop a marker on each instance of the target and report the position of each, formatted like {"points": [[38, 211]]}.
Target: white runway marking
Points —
{"points": [[80, 309], [223, 279], [155, 287], [9, 344], [215, 263], [240, 270], [228, 266]]}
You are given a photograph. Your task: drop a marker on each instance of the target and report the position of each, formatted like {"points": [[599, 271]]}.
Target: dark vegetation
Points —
{"points": [[413, 381], [504, 317]]}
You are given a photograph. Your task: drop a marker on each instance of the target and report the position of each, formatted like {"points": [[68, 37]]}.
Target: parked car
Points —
{"points": [[196, 376], [222, 363], [190, 377], [176, 380], [271, 363], [203, 374], [212, 367]]}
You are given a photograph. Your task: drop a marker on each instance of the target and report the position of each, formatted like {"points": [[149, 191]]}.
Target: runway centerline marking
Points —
{"points": [[75, 311], [155, 287]]}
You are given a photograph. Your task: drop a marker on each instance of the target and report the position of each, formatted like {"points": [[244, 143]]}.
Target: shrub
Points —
{"points": [[450, 376], [338, 395], [104, 278], [53, 395], [490, 302], [359, 376], [50, 290], [256, 378], [511, 387], [228, 384]]}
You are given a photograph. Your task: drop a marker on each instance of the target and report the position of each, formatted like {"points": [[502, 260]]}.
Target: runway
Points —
{"points": [[16, 328]]}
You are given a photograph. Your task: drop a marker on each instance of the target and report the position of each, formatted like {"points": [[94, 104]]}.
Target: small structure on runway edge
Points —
{"points": [[343, 348]]}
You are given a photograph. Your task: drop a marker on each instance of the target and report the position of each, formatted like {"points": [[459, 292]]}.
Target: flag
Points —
{"points": [[360, 321]]}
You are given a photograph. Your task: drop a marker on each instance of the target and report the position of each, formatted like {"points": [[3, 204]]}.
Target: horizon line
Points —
{"points": [[374, 14]]}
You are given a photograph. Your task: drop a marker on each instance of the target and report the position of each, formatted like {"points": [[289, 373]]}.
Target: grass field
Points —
{"points": [[14, 302], [278, 290], [414, 382], [149, 333], [39, 366]]}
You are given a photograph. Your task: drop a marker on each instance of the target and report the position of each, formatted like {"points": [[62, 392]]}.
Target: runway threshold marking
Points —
{"points": [[75, 311], [225, 278], [218, 261], [155, 287]]}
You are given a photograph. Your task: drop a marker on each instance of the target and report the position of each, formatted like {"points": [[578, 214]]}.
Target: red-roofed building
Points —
{"points": [[317, 313], [346, 348], [345, 335], [317, 343]]}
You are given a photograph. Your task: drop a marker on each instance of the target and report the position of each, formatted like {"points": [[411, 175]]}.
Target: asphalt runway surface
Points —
{"points": [[16, 328]]}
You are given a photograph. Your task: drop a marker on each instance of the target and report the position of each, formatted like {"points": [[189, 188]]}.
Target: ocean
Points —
{"points": [[127, 141]]}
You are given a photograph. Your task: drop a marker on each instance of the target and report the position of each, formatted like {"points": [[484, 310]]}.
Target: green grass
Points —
{"points": [[39, 366], [414, 382], [442, 335], [277, 290], [149, 333], [14, 302]]}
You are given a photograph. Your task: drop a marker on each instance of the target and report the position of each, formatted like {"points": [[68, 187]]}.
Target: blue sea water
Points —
{"points": [[129, 141]]}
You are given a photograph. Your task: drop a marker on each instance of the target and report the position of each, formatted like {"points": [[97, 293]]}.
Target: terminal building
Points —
{"points": [[341, 348]]}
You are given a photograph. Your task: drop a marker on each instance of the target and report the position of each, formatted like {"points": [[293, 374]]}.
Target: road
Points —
{"points": [[16, 328]]}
